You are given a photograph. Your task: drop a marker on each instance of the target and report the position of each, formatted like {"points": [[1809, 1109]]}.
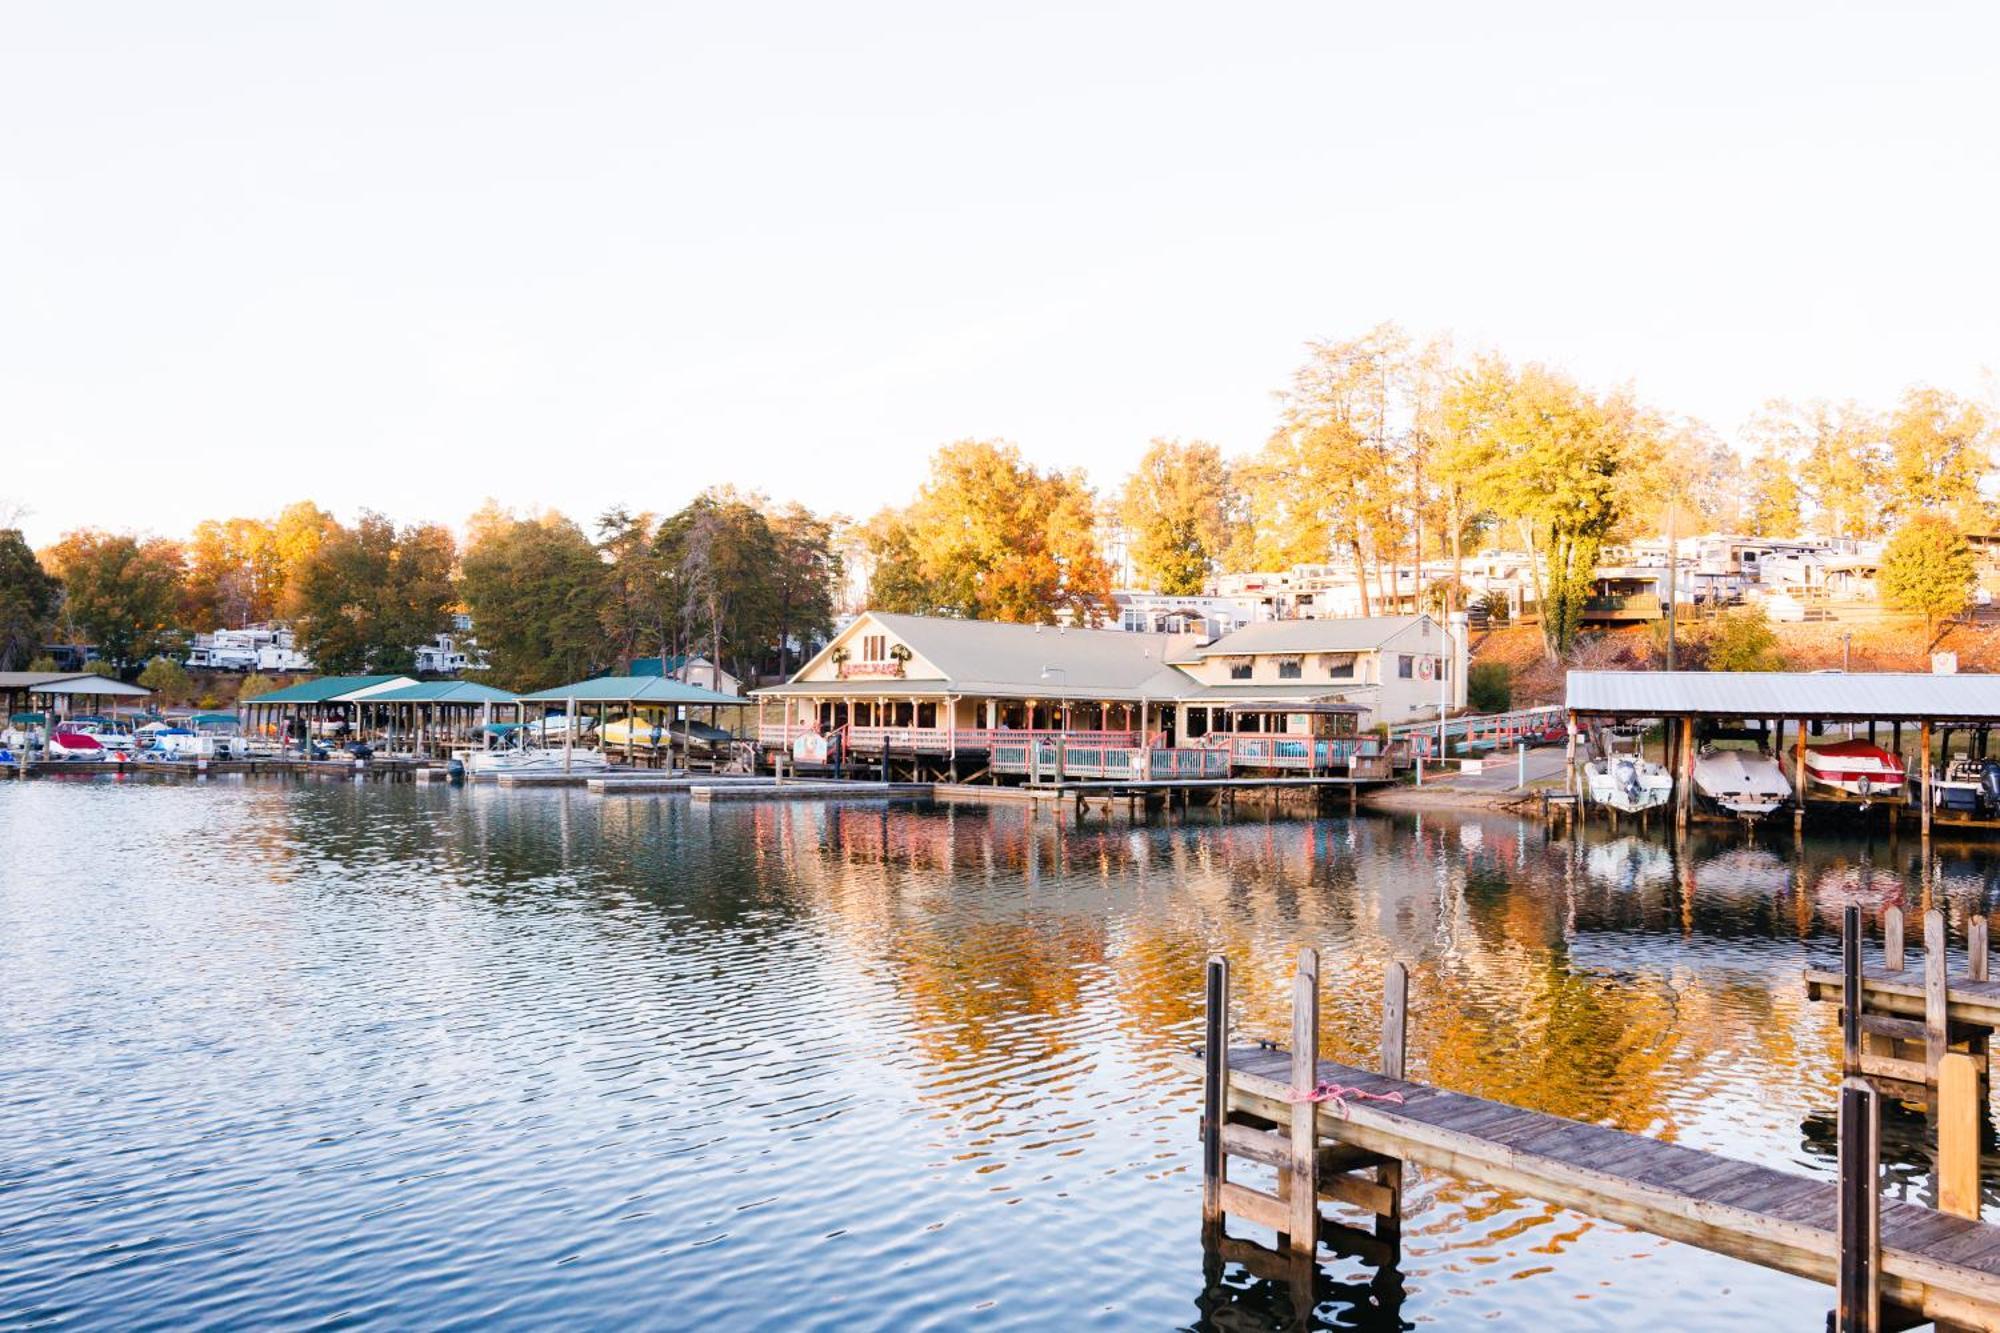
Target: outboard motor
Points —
{"points": [[454, 771], [1989, 786]]}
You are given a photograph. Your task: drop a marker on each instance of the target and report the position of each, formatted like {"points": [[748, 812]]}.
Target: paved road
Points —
{"points": [[1543, 762]]}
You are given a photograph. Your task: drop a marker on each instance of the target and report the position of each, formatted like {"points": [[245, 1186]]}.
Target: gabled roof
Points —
{"points": [[634, 689], [1344, 634], [442, 692], [1044, 658], [329, 689], [90, 685]]}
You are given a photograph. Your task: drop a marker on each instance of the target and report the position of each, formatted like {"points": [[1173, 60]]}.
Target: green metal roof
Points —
{"points": [[635, 690], [443, 692], [324, 690]]}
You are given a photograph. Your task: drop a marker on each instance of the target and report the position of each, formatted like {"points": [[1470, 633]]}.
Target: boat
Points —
{"points": [[1969, 787], [115, 737], [1746, 783], [1857, 767], [1627, 781], [644, 733], [65, 743], [535, 759]]}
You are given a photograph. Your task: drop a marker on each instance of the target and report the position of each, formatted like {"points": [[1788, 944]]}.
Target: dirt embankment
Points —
{"points": [[1874, 643]]}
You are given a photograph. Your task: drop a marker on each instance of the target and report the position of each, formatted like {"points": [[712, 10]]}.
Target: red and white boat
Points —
{"points": [[1858, 768], [66, 743]]}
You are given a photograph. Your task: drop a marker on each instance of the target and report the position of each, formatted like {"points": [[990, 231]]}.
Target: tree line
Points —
{"points": [[745, 582], [1389, 452]]}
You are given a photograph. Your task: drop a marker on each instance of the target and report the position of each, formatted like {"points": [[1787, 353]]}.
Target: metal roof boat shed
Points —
{"points": [[646, 691], [16, 687], [1685, 700], [1822, 696]]}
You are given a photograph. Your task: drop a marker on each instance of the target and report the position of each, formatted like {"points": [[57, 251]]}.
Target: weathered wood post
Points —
{"points": [[1395, 1045], [1850, 991], [1304, 1173], [1892, 939], [1924, 820], [1937, 1031], [1215, 1090], [1799, 780], [1860, 1222], [1976, 951], [1684, 780]]}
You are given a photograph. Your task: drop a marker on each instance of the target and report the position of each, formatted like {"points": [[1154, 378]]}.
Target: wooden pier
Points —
{"points": [[1336, 1133], [1911, 1021]]}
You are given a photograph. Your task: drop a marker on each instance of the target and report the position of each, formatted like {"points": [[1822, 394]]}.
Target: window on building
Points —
{"points": [[1197, 722], [1444, 668], [1240, 670], [1406, 667], [1340, 666], [874, 647], [1290, 668]]}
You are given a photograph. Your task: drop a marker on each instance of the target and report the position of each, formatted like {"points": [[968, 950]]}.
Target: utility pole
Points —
{"points": [[1673, 576]]}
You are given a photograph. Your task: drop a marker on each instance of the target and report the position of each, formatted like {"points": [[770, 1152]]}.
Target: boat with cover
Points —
{"points": [[65, 743], [1626, 780], [535, 759], [1746, 783], [1857, 767]]}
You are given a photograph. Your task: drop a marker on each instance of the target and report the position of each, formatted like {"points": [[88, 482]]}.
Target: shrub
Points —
{"points": [[1489, 687]]}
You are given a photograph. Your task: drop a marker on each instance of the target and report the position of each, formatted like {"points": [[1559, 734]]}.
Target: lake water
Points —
{"points": [[289, 1054]]}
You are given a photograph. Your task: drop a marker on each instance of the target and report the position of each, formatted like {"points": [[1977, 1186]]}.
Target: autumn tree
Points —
{"points": [[369, 595], [1772, 506], [635, 610], [1544, 456], [534, 588], [1841, 461], [721, 552], [1180, 507], [296, 536], [235, 573], [990, 537], [120, 592], [28, 597], [1928, 568], [805, 577], [167, 679], [1939, 449]]}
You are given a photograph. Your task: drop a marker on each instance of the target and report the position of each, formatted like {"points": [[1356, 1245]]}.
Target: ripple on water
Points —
{"points": [[363, 1055]]}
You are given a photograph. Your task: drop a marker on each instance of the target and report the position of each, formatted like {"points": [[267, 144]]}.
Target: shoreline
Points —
{"points": [[1443, 796]]}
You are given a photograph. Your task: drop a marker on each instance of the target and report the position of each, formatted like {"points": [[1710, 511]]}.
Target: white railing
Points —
{"points": [[1481, 731]]}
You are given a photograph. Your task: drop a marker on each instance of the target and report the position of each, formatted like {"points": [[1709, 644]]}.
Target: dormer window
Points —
{"points": [[1339, 666], [1239, 668], [1291, 668]]}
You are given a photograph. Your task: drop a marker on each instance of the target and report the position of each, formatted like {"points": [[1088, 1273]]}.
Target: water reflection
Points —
{"points": [[403, 1054]]}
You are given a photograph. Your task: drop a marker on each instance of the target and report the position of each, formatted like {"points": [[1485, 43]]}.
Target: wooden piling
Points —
{"points": [[1892, 939], [1304, 1172], [1859, 1230], [1215, 1090], [1395, 1044], [1958, 1103], [1937, 999], [1851, 992], [1976, 951]]}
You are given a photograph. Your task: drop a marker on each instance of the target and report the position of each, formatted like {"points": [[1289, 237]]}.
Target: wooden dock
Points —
{"points": [[1336, 1133], [811, 791], [1909, 1021]]}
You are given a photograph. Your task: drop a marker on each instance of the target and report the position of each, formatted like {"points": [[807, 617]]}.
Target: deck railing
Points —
{"points": [[864, 741], [1050, 760], [1483, 731]]}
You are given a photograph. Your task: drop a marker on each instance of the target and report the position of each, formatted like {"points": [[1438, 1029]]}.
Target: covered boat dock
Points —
{"points": [[1784, 709], [674, 702]]}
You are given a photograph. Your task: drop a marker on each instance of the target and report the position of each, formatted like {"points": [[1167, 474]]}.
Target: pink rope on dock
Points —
{"points": [[1338, 1095]]}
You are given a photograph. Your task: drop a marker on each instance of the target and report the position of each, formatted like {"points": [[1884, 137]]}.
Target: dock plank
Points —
{"points": [[1944, 1266]]}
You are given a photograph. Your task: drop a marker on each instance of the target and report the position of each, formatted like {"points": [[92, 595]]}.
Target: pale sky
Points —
{"points": [[410, 255]]}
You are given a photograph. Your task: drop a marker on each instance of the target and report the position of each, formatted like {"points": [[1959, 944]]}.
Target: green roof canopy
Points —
{"points": [[635, 690], [442, 692], [327, 689]]}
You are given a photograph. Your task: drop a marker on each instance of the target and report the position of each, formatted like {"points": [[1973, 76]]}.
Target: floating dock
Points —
{"points": [[811, 791]]}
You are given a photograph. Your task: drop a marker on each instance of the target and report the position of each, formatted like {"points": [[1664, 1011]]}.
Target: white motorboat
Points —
{"points": [[116, 737], [1968, 787], [1747, 783], [1627, 781], [535, 759]]}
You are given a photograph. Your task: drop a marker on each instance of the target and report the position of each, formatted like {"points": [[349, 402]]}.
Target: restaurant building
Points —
{"points": [[952, 689]]}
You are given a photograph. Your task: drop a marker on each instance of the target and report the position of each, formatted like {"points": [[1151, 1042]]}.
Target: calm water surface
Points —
{"points": [[315, 1054]]}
